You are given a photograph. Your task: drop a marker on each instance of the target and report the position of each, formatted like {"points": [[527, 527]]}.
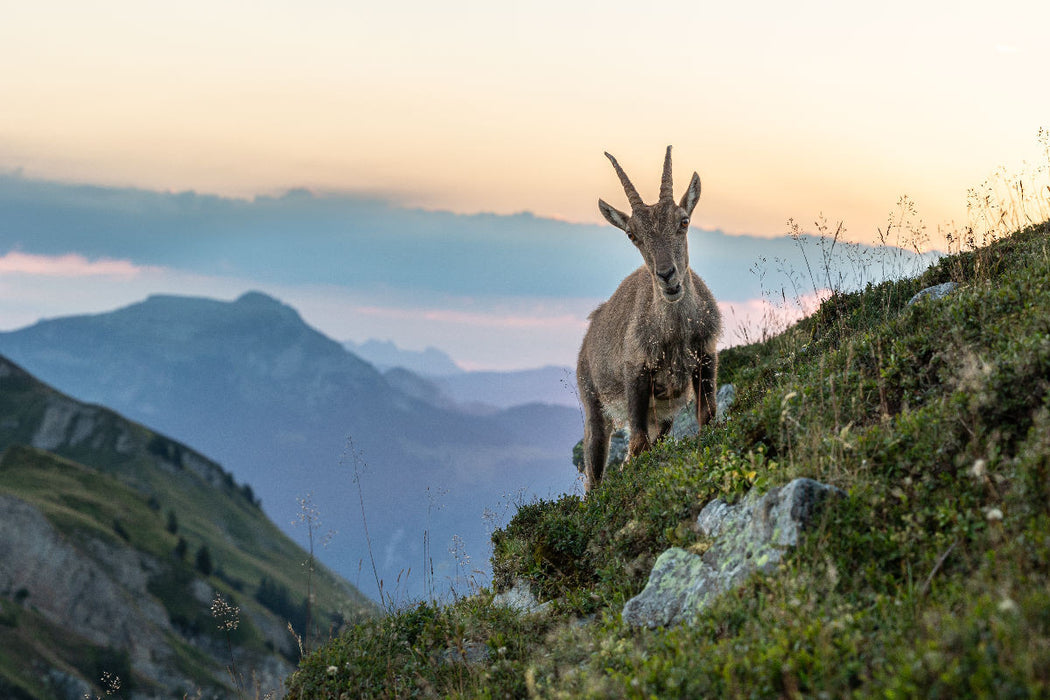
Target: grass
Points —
{"points": [[931, 579]]}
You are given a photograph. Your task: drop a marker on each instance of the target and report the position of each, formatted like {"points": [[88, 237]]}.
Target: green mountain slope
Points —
{"points": [[115, 542], [931, 578]]}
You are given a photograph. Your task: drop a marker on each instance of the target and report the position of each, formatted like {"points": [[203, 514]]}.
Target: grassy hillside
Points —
{"points": [[108, 487], [931, 579]]}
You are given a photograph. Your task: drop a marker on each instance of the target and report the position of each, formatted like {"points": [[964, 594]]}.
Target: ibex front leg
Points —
{"points": [[639, 395], [704, 388]]}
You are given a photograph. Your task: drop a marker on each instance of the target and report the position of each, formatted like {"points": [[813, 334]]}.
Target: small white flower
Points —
{"points": [[993, 514], [979, 469], [1007, 606], [332, 670]]}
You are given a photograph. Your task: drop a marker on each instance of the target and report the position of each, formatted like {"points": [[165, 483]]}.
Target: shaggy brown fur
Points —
{"points": [[652, 346]]}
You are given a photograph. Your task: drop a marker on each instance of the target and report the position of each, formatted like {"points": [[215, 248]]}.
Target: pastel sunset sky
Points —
{"points": [[785, 110]]}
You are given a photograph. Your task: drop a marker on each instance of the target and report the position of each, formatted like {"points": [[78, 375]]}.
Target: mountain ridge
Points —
{"points": [[95, 512]]}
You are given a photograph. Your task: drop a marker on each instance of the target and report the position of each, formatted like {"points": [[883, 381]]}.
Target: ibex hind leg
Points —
{"points": [[596, 432]]}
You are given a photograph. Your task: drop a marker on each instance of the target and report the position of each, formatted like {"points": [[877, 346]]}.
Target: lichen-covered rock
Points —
{"points": [[937, 291], [750, 536]]}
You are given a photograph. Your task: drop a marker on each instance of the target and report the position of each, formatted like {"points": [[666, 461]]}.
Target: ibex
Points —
{"points": [[652, 345]]}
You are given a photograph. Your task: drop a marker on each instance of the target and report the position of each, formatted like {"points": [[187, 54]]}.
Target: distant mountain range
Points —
{"points": [[553, 385], [291, 411], [446, 382], [114, 540], [384, 355]]}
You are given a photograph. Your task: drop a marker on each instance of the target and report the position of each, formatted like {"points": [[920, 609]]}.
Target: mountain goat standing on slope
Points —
{"points": [[652, 345]]}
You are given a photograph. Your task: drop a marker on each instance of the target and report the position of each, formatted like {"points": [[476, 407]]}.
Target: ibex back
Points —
{"points": [[652, 346]]}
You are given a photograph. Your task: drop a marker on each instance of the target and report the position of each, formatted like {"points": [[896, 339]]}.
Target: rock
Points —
{"points": [[466, 652], [685, 425], [938, 291], [724, 401], [618, 447], [520, 598], [750, 536]]}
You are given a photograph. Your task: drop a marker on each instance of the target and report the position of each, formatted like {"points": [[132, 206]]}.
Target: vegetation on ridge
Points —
{"points": [[932, 578]]}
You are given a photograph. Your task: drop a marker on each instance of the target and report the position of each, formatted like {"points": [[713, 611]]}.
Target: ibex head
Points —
{"points": [[658, 230]]}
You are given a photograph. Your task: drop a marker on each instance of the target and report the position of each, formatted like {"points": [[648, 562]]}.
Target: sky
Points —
{"points": [[785, 110]]}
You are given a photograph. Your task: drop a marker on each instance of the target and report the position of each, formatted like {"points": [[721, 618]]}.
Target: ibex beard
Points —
{"points": [[653, 345]]}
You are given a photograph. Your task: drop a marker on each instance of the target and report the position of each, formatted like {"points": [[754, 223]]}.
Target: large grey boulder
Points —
{"points": [[750, 537]]}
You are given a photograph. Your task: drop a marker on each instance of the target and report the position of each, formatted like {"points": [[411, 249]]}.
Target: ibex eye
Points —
{"points": [[685, 224]]}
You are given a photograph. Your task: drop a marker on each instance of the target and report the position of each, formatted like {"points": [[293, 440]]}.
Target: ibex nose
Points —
{"points": [[667, 274]]}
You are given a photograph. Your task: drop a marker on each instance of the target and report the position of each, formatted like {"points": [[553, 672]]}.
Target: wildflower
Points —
{"points": [[110, 682], [227, 615], [993, 514]]}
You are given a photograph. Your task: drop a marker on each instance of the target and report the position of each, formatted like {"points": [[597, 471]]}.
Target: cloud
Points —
{"points": [[68, 265], [494, 292], [754, 320]]}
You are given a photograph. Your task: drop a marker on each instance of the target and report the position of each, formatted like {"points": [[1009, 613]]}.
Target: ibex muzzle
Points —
{"points": [[653, 345]]}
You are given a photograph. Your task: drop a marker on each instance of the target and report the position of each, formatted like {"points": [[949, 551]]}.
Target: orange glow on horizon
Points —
{"points": [[482, 108]]}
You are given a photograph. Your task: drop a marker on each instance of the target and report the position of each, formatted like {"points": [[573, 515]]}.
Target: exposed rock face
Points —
{"points": [[938, 291], [98, 592], [67, 424], [750, 536], [101, 597]]}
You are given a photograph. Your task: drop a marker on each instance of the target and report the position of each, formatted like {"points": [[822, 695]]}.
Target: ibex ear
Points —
{"points": [[613, 215], [692, 195]]}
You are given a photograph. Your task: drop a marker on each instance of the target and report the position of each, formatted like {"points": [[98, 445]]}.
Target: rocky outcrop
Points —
{"points": [[99, 592], [937, 291], [520, 598], [100, 596], [749, 537]]}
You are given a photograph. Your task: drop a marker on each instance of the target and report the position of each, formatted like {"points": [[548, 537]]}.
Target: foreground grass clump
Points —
{"points": [[930, 579]]}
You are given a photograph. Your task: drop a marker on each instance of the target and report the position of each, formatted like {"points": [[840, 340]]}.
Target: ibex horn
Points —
{"points": [[666, 188], [632, 194]]}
